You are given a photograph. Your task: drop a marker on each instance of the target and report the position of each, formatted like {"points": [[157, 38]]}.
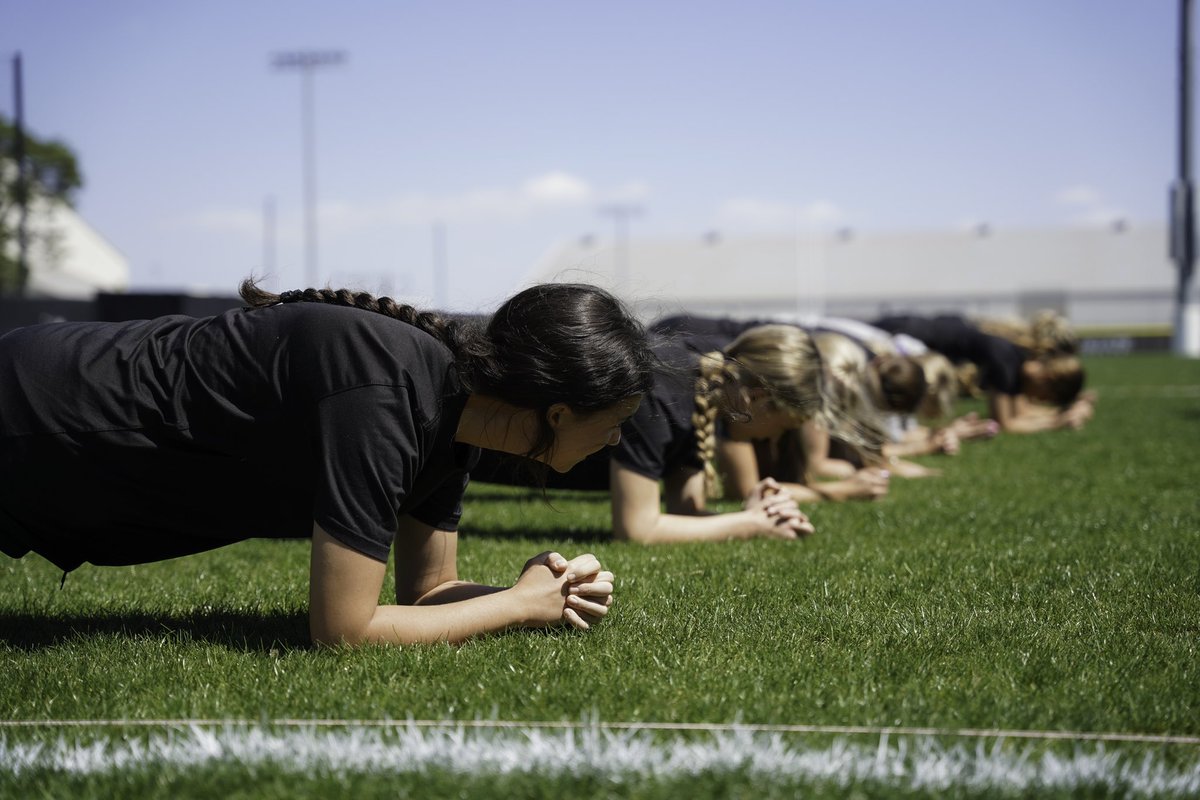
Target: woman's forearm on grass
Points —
{"points": [[344, 588], [701, 527], [452, 621], [803, 493]]}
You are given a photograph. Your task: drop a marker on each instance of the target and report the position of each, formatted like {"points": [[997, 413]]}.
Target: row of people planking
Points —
{"points": [[357, 421]]}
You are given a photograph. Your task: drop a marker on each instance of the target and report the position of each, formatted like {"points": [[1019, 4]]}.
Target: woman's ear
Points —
{"points": [[556, 414], [757, 398]]}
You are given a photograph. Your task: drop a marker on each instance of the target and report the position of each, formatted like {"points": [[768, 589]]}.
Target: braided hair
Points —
{"points": [[551, 343], [781, 359], [710, 398]]}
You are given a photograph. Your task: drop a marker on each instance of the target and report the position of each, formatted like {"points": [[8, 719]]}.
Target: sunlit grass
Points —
{"points": [[1048, 582]]}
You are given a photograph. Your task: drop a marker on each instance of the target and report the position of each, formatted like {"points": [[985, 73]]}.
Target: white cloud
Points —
{"points": [[239, 221], [1076, 196], [635, 191], [1086, 205], [557, 188], [540, 194], [749, 213]]}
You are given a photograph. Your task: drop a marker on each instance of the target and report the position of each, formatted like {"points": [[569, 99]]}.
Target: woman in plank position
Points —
{"points": [[765, 381], [331, 414], [1028, 391]]}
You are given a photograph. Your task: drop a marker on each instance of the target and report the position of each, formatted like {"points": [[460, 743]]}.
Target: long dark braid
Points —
{"points": [[551, 343], [464, 338]]}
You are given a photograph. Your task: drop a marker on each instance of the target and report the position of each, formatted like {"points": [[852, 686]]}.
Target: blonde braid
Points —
{"points": [[710, 388]]}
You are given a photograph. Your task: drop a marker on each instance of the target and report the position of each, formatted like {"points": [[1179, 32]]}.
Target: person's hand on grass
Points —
{"points": [[555, 590], [1076, 416], [780, 516], [970, 426], [869, 483], [945, 440], [911, 469]]}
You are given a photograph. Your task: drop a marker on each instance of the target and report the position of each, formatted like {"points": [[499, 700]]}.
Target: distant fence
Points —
{"points": [[1115, 339], [17, 312]]}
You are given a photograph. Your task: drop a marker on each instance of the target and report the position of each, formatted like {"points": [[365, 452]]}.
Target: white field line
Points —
{"points": [[920, 763], [701, 727]]}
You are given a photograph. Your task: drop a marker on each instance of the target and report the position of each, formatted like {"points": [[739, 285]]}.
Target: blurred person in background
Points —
{"points": [[766, 381], [1026, 392]]}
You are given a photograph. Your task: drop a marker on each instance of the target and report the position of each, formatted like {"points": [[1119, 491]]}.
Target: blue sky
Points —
{"points": [[512, 123]]}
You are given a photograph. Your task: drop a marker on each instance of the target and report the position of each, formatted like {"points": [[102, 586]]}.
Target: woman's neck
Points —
{"points": [[493, 424]]}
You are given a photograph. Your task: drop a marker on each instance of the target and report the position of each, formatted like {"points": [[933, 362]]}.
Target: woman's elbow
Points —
{"points": [[335, 633], [635, 532]]}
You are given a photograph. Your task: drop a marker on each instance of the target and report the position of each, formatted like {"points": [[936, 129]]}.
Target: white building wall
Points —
{"points": [[1097, 276]]}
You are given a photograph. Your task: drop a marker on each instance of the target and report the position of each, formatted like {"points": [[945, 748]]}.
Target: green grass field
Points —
{"points": [[1045, 583]]}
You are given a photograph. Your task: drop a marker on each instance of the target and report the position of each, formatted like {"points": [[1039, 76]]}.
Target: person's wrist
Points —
{"points": [[516, 608]]}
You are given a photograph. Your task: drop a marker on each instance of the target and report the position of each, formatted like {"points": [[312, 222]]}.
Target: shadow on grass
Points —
{"points": [[578, 535], [486, 492], [232, 629]]}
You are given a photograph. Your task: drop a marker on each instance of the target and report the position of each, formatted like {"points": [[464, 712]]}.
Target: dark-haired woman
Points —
{"points": [[335, 415], [662, 474]]}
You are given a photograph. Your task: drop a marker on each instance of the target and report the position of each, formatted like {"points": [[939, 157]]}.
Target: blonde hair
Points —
{"points": [[851, 414], [941, 385], [781, 359], [1046, 333], [786, 362]]}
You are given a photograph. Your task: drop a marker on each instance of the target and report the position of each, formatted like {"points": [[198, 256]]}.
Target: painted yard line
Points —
{"points": [[921, 765], [704, 727]]}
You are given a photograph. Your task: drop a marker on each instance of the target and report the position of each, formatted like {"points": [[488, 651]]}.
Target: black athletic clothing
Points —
{"points": [[660, 437], [130, 442], [999, 360]]}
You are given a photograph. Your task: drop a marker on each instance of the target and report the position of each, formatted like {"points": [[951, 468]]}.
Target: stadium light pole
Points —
{"points": [[621, 215], [307, 61], [441, 267], [22, 187], [1185, 340]]}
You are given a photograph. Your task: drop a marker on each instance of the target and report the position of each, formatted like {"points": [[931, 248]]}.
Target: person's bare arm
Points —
{"points": [[1016, 414], [815, 440], [742, 475], [637, 513], [344, 607]]}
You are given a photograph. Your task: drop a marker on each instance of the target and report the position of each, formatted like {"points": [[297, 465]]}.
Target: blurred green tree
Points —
{"points": [[52, 178]]}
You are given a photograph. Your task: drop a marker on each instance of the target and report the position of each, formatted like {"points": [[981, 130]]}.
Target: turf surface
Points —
{"points": [[1044, 582]]}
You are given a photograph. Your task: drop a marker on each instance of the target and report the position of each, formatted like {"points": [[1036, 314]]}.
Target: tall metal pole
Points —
{"points": [[441, 277], [621, 215], [1186, 337], [22, 176], [269, 235], [307, 61]]}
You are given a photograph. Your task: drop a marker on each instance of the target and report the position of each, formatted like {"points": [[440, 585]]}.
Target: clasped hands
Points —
{"points": [[578, 591], [786, 519]]}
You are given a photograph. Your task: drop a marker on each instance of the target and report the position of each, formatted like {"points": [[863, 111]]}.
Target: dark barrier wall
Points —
{"points": [[120, 307], [16, 312]]}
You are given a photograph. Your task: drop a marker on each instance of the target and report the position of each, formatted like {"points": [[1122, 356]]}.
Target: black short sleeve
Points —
{"points": [[367, 448], [660, 437]]}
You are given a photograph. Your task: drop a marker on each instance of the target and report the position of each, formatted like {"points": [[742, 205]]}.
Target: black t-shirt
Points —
{"points": [[130, 442], [999, 360], [660, 437]]}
